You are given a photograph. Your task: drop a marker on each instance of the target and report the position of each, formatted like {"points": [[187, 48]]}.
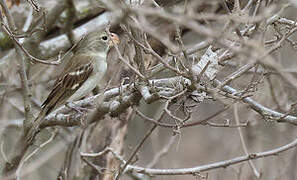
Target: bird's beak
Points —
{"points": [[114, 39]]}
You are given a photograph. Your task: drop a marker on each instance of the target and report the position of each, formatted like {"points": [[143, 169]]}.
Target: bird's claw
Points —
{"points": [[78, 109]]}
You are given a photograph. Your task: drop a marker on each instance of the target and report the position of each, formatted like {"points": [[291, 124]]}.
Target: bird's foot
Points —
{"points": [[80, 110]]}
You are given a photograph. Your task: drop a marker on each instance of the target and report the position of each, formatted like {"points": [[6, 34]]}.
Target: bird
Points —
{"points": [[81, 74]]}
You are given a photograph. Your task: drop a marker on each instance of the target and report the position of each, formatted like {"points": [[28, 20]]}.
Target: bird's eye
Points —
{"points": [[104, 38]]}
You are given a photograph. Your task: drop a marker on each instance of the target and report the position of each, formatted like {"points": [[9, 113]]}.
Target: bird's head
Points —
{"points": [[99, 41]]}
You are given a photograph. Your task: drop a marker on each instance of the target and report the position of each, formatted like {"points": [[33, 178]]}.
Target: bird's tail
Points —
{"points": [[34, 129]]}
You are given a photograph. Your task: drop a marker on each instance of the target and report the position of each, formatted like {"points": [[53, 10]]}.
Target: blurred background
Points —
{"points": [[238, 32]]}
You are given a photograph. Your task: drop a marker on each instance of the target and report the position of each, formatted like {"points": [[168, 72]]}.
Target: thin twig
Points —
{"points": [[243, 143], [162, 152], [53, 61], [125, 61], [149, 132], [34, 5]]}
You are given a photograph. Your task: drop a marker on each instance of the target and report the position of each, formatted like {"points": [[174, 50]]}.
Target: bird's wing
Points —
{"points": [[75, 73]]}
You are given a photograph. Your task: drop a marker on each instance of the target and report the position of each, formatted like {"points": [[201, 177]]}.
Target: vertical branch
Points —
{"points": [[108, 133], [149, 132], [72, 158], [70, 20], [22, 65], [19, 151], [138, 50], [118, 143]]}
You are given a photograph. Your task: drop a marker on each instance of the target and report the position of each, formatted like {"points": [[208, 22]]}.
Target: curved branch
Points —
{"points": [[207, 167]]}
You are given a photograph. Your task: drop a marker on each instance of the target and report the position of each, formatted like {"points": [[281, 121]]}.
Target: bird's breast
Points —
{"points": [[100, 64]]}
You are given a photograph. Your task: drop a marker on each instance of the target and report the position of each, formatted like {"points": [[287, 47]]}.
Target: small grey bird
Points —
{"points": [[79, 77]]}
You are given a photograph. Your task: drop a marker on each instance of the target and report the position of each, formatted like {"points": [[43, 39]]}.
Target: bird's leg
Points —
{"points": [[76, 108]]}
